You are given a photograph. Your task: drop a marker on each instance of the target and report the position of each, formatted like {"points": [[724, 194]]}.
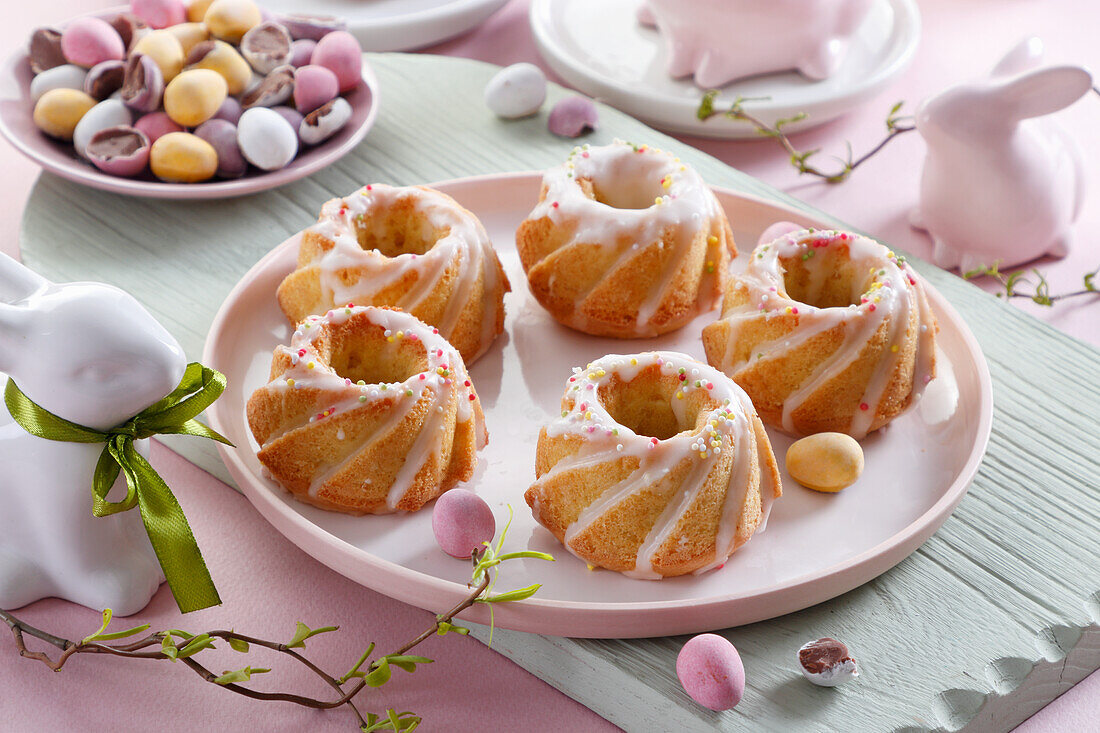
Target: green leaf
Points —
{"points": [[168, 647], [1089, 280], [239, 675], [447, 628], [407, 662], [121, 634], [526, 553], [379, 675], [238, 645], [180, 634], [107, 614], [195, 645], [303, 632], [354, 671], [513, 595], [394, 721], [706, 105]]}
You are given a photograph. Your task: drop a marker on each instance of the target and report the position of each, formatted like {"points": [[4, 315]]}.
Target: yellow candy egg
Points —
{"points": [[58, 111], [229, 20], [196, 11], [165, 49], [825, 462], [189, 34], [194, 96], [180, 157], [225, 60]]}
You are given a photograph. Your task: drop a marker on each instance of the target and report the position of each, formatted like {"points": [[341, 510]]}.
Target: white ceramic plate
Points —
{"points": [[816, 546], [398, 25], [601, 49]]}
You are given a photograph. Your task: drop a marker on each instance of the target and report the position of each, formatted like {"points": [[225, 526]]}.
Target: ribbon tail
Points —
{"points": [[103, 480]]}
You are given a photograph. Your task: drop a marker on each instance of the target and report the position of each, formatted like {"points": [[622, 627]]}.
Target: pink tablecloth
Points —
{"points": [[268, 584]]}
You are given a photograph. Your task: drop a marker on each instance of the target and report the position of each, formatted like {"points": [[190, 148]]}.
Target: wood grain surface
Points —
{"points": [[988, 621]]}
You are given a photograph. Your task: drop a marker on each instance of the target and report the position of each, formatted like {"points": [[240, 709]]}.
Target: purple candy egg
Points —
{"points": [[160, 13], [143, 84], [104, 79], [157, 124], [291, 115], [572, 117], [120, 151], [461, 521], [313, 86], [222, 136], [230, 111], [313, 27], [711, 671], [88, 41], [301, 52], [341, 53]]}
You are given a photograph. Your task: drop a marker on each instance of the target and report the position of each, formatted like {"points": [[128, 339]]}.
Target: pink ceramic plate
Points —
{"points": [[17, 125], [816, 546]]}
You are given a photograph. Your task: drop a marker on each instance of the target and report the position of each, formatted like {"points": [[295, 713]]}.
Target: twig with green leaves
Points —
{"points": [[896, 124], [1011, 282], [175, 645]]}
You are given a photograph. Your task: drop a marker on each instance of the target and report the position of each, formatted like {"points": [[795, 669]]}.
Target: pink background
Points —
{"points": [[268, 584]]}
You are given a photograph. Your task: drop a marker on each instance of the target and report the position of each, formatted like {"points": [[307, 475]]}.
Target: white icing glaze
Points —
{"points": [[659, 195], [726, 427], [465, 240], [443, 382], [891, 288]]}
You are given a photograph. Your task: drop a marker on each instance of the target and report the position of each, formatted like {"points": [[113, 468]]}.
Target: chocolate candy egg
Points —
{"points": [[340, 53], [159, 13], [325, 121], [44, 50], [196, 11], [516, 91], [130, 28], [142, 84], [120, 151], [87, 41], [273, 89], [291, 115], [267, 141], [825, 462], [180, 157], [156, 125], [711, 671], [58, 112], [266, 47], [229, 20], [301, 52], [313, 86], [67, 76], [572, 117], [461, 522], [826, 662], [104, 79], [230, 111], [108, 113], [194, 96], [165, 49], [219, 56], [313, 27], [189, 35], [222, 136]]}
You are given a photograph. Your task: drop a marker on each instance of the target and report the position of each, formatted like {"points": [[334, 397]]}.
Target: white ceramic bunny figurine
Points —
{"points": [[89, 353], [997, 184], [718, 41]]}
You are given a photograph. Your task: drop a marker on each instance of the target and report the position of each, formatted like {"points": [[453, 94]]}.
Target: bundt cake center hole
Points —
{"points": [[400, 229], [379, 362], [634, 182], [648, 405], [827, 278]]}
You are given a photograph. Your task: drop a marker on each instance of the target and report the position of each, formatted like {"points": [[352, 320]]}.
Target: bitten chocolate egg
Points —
{"points": [[222, 136], [340, 53], [826, 662], [301, 52], [825, 462], [142, 84], [104, 79], [44, 50], [159, 13], [189, 35], [67, 76], [313, 86], [194, 96], [324, 122], [267, 141], [165, 49], [180, 157], [516, 91], [461, 522], [230, 111], [108, 113], [273, 89], [229, 20], [58, 112], [156, 125], [130, 28], [120, 151], [219, 56], [572, 117], [711, 671], [87, 41], [313, 27], [266, 47]]}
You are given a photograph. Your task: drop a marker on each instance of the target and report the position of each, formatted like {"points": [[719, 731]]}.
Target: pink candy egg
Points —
{"points": [[301, 52], [313, 86], [160, 13], [461, 521], [156, 124], [711, 671], [341, 53], [88, 41]]}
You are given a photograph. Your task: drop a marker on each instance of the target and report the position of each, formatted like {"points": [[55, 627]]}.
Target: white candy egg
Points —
{"points": [[516, 91], [108, 113], [266, 139], [66, 76]]}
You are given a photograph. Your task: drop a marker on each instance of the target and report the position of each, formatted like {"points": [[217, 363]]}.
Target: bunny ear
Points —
{"points": [[1024, 56], [1040, 92], [17, 281]]}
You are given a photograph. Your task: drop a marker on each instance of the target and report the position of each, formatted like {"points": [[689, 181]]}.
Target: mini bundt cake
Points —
{"points": [[413, 248], [625, 241], [826, 331], [659, 466], [367, 411]]}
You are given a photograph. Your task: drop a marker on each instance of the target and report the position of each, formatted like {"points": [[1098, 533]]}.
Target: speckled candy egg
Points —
{"points": [[222, 136], [142, 84], [461, 521], [87, 41], [341, 53], [156, 125], [194, 96], [229, 20], [58, 112], [196, 11], [301, 52], [159, 13], [266, 47], [267, 141], [180, 157], [120, 151], [189, 35], [516, 91], [219, 56], [165, 49], [711, 671], [825, 462], [313, 86], [108, 113], [68, 76]]}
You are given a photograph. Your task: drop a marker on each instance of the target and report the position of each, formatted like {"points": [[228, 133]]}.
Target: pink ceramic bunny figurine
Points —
{"points": [[91, 354], [718, 41], [997, 185]]}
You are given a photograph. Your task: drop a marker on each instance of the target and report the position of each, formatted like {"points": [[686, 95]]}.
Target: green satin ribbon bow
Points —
{"points": [[164, 520]]}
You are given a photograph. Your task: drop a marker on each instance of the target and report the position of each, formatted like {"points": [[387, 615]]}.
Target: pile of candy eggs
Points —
{"points": [[193, 92]]}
